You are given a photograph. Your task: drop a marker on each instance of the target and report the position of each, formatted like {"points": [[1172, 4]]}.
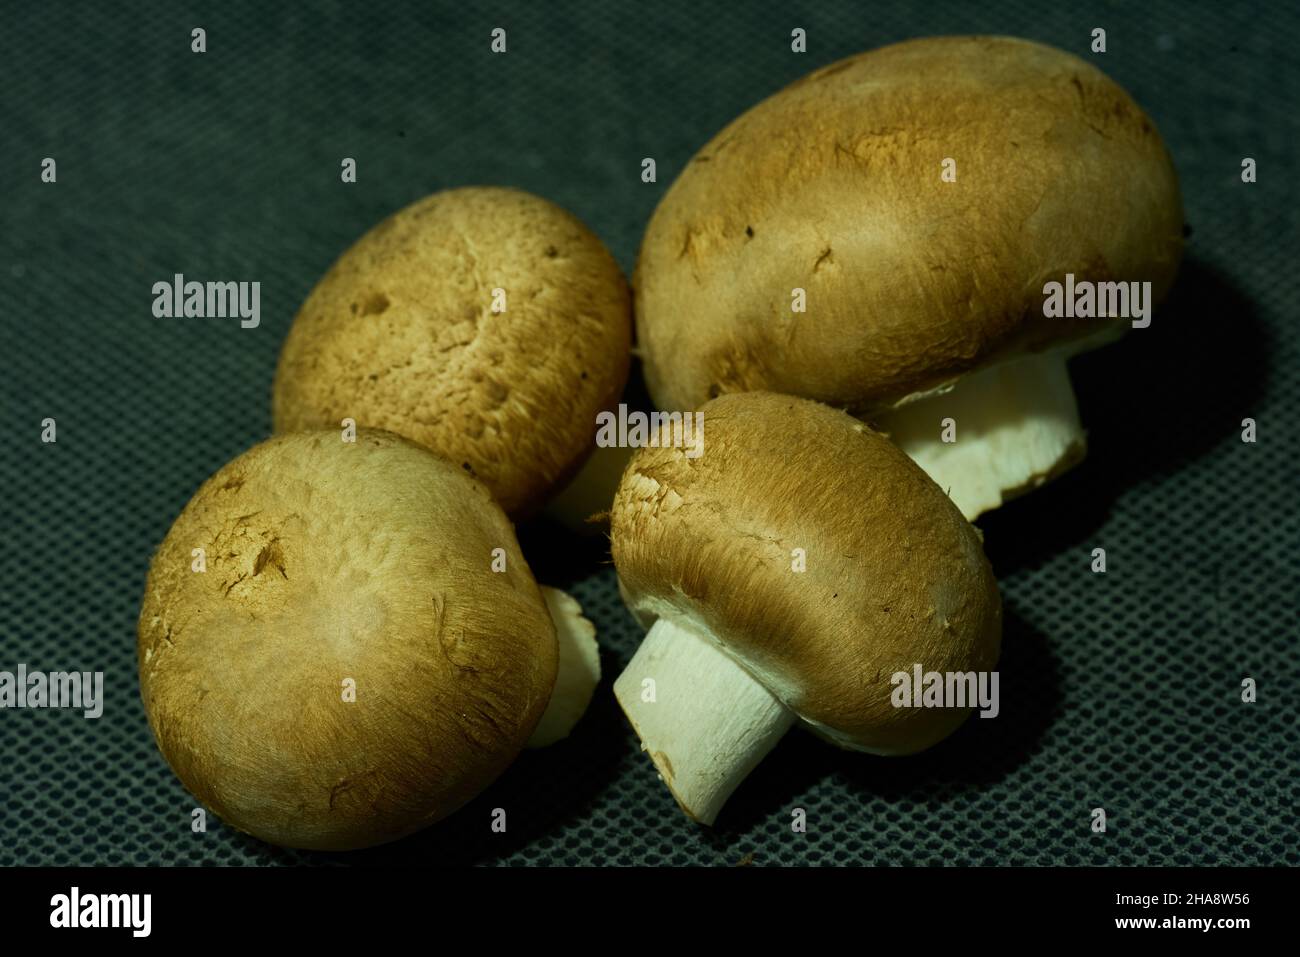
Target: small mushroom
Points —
{"points": [[786, 573], [486, 324], [341, 643], [919, 197]]}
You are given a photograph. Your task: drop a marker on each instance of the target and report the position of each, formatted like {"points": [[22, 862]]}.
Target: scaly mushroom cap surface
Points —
{"points": [[895, 576], [400, 334], [330, 562], [834, 186]]}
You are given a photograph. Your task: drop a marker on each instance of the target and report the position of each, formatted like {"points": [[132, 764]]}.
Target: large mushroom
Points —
{"points": [[486, 324], [341, 643], [786, 572], [879, 235]]}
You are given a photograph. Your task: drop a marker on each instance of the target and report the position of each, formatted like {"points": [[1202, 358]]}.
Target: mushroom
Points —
{"points": [[341, 643], [486, 324], [786, 573], [919, 198]]}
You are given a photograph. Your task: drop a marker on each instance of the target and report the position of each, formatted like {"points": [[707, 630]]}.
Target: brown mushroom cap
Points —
{"points": [[894, 575], [400, 335], [833, 186], [328, 561]]}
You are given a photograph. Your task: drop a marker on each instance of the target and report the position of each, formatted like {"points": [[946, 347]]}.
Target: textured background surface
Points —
{"points": [[1118, 690]]}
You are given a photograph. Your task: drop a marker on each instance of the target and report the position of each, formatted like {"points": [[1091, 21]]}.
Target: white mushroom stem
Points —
{"points": [[1015, 425], [705, 720], [591, 492], [579, 669]]}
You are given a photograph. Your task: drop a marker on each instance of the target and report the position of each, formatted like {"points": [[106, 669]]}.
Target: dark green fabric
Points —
{"points": [[1118, 690]]}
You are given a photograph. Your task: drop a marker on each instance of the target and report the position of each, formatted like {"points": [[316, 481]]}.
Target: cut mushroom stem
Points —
{"points": [[705, 720], [578, 670], [591, 492], [1015, 425]]}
